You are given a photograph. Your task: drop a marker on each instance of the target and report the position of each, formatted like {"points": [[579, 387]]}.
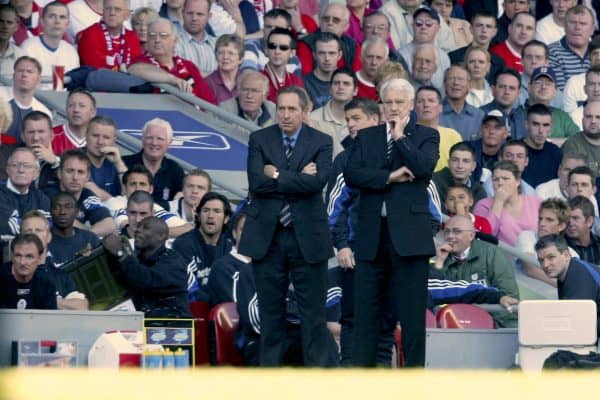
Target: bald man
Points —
{"points": [[155, 276]]}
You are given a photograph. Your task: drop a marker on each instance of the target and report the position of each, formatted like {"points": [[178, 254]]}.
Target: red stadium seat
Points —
{"points": [[430, 322], [200, 311], [464, 316], [225, 320]]}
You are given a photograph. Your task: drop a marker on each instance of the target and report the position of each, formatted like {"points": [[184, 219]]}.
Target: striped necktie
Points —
{"points": [[285, 215], [388, 150]]}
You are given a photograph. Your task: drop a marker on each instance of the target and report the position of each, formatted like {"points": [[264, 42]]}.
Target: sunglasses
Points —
{"points": [[282, 47], [420, 23]]}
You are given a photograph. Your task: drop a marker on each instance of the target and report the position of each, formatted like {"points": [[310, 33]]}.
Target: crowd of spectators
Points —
{"points": [[513, 95]]}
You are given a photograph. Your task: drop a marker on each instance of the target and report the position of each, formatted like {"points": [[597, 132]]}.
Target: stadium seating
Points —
{"points": [[225, 320], [200, 310], [464, 316]]}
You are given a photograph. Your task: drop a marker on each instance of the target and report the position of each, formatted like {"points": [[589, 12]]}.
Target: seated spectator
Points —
{"points": [[511, 9], [251, 103], [330, 118], [334, 18], [160, 64], [67, 295], [456, 113], [200, 247], [542, 90], [459, 201], [428, 107], [196, 184], [224, 81], [49, 48], [423, 65], [477, 62], [73, 174], [460, 28], [9, 51], [19, 195], [108, 43], [375, 52], [535, 55], [551, 28], [7, 143], [193, 42], [22, 285], [37, 135], [591, 89], [377, 24], [461, 165], [140, 20], [81, 108], [140, 205], [520, 31], [255, 50], [579, 230], [506, 93], [461, 257], [387, 71], [559, 187], [516, 152], [575, 92], [576, 279], [553, 218], [155, 276], [67, 241], [105, 158], [29, 20], [167, 175], [508, 211], [173, 11], [544, 156], [582, 182], [135, 179], [484, 28], [494, 131], [588, 140], [26, 80], [281, 46], [83, 14], [302, 23]]}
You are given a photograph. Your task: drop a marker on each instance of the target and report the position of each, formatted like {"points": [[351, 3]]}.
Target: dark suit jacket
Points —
{"points": [[407, 203], [304, 193]]}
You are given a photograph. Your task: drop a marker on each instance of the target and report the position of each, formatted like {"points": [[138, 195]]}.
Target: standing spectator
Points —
{"points": [[26, 80], [29, 20], [456, 112], [520, 31], [551, 28], [569, 56], [224, 81], [193, 42], [106, 165], [196, 184], [574, 93], [251, 103], [83, 14], [157, 135], [331, 118], [477, 62], [9, 51], [281, 46], [460, 29], [506, 93], [327, 52], [140, 20], [81, 108], [375, 52], [49, 48], [333, 19], [587, 141], [160, 64], [37, 136]]}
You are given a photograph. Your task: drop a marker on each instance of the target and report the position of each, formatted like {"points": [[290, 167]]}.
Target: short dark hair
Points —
{"points": [[36, 115], [78, 154], [9, 8], [583, 170], [430, 88], [463, 146], [137, 169], [213, 196], [140, 197], [202, 173], [539, 109], [366, 105], [539, 43], [574, 156], [62, 195], [345, 71], [278, 13], [513, 142], [53, 4], [508, 71], [461, 186], [552, 240], [103, 120], [32, 60], [298, 91], [584, 204], [27, 238], [284, 32], [484, 14], [509, 166], [593, 69], [325, 37], [83, 92]]}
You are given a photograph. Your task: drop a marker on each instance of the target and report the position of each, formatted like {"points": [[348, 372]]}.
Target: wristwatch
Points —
{"points": [[275, 174]]}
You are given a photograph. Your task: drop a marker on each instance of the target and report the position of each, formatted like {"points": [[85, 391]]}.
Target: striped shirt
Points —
{"points": [[566, 62], [199, 52]]}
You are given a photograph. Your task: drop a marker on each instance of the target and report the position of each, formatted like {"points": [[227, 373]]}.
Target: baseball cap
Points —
{"points": [[548, 72], [498, 115], [432, 13]]}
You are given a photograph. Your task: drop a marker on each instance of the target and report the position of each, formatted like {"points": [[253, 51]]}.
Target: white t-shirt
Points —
{"points": [[118, 204], [65, 55], [574, 92], [548, 31], [81, 16]]}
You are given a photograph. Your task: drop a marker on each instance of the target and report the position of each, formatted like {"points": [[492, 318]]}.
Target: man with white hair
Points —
{"points": [[391, 165], [424, 65], [160, 64], [375, 53], [157, 135], [251, 103]]}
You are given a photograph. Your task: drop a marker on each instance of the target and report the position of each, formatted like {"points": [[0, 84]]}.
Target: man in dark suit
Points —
{"points": [[392, 165], [286, 232]]}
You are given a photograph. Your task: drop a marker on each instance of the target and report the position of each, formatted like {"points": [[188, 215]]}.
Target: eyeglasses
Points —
{"points": [[419, 23], [329, 18], [251, 91], [456, 231], [162, 35], [25, 166], [274, 46]]}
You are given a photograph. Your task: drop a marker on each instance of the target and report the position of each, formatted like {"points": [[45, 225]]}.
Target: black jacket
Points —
{"points": [[13, 206]]}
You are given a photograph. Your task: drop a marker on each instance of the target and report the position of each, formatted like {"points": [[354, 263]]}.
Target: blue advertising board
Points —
{"points": [[193, 142]]}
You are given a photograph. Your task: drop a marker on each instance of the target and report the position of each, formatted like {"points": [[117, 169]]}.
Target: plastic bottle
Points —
{"points": [[181, 358], [168, 359]]}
